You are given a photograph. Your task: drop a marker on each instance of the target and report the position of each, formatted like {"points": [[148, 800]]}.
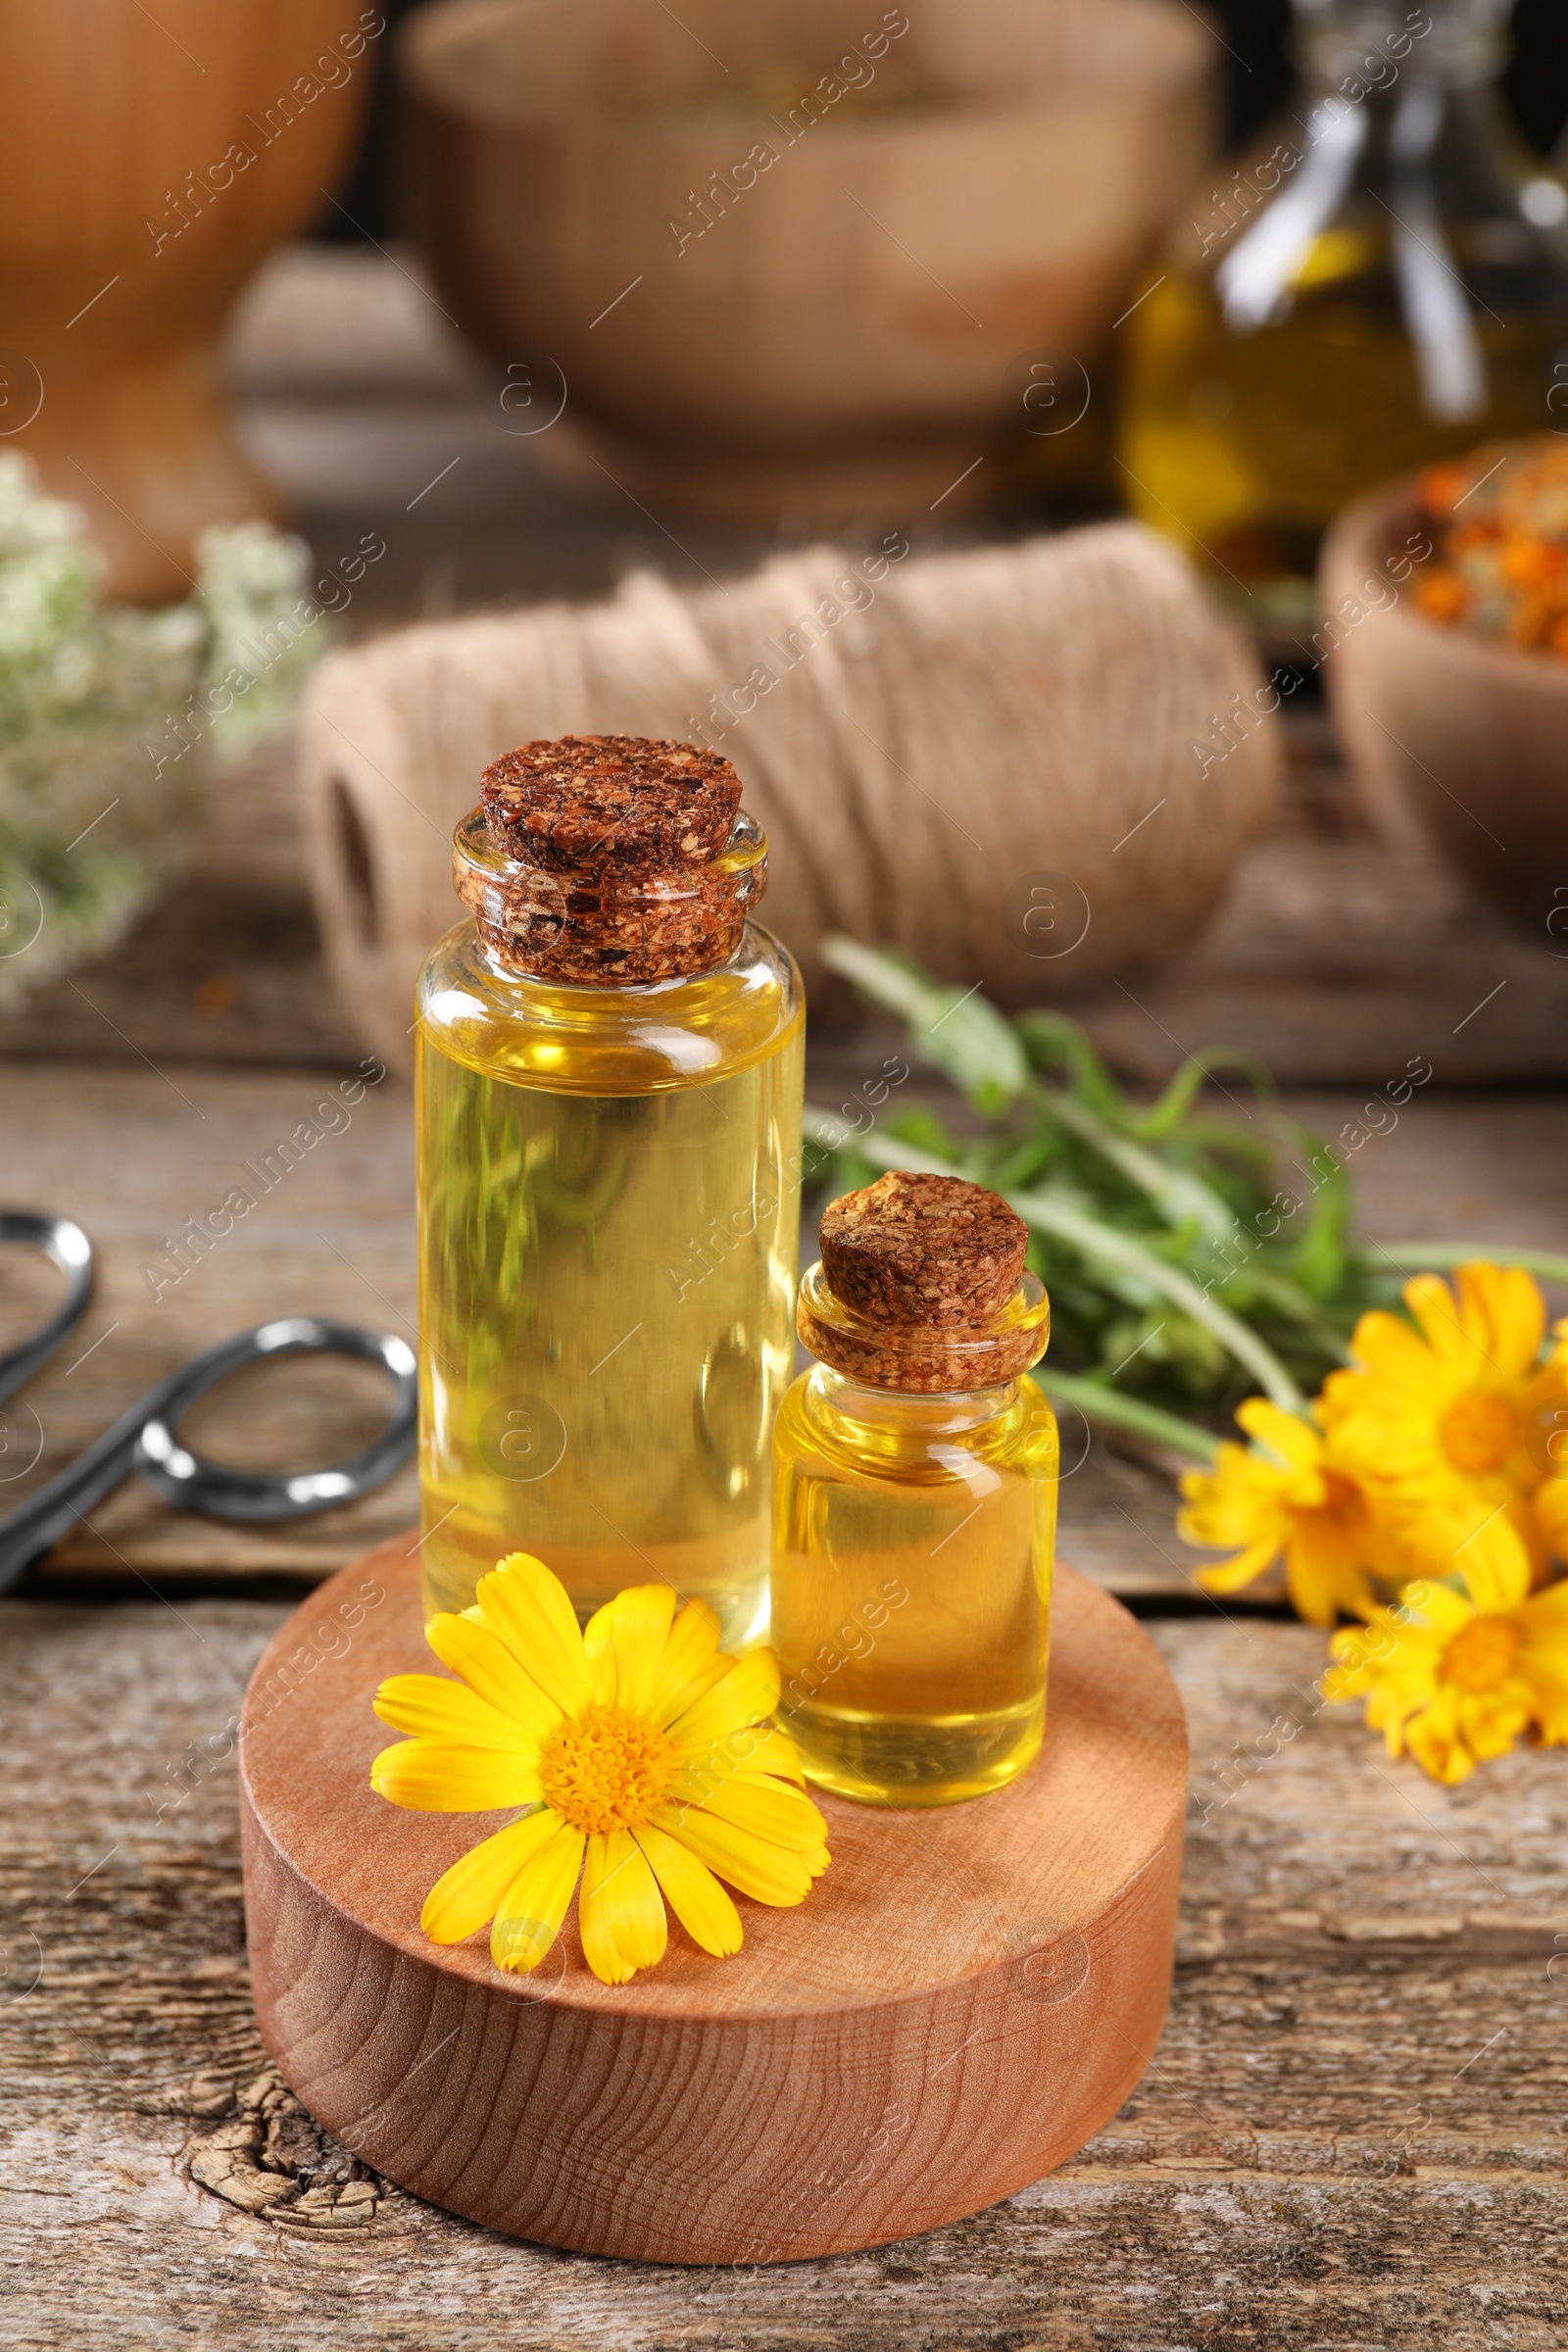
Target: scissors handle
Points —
{"points": [[144, 1438], [71, 1252]]}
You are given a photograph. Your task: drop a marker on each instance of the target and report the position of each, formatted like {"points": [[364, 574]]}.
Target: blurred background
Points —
{"points": [[1100, 467]]}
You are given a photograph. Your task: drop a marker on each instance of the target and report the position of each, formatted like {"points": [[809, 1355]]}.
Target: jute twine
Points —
{"points": [[986, 759]]}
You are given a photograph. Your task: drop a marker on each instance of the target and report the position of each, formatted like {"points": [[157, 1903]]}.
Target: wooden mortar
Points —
{"points": [[128, 222], [849, 330]]}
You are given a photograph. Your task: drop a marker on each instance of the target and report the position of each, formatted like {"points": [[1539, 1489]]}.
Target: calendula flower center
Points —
{"points": [[607, 1770], [1341, 1500], [1481, 1654], [1477, 1432]]}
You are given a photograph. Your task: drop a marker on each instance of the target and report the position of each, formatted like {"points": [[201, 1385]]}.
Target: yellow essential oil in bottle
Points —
{"points": [[608, 1107], [1381, 284], [914, 1501]]}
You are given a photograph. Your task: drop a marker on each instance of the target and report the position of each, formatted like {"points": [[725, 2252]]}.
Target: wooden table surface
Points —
{"points": [[1352, 2133]]}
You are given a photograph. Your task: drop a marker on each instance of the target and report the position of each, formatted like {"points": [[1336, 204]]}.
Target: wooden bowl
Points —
{"points": [[838, 332], [149, 160], [1452, 737]]}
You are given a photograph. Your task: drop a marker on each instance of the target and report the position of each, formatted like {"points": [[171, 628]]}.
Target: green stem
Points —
{"points": [[1174, 1192], [1291, 1300], [1098, 1404], [1432, 1258], [1093, 1240]]}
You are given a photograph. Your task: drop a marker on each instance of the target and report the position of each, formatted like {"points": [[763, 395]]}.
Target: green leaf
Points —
{"points": [[1053, 1042], [926, 1132], [1179, 1196], [1097, 1403], [1177, 1100], [1400, 1259], [1317, 1262], [954, 1028]]}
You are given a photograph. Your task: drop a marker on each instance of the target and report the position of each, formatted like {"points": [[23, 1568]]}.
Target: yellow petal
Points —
{"points": [[621, 1914], [1384, 1345], [1491, 1721], [534, 1905], [1229, 1575], [468, 1647], [599, 1643], [1294, 1441], [776, 1751], [1433, 1742], [1505, 1305], [692, 1893], [435, 1709], [768, 1808], [688, 1666], [640, 1624], [1544, 1666], [762, 1748], [1239, 1503], [528, 1607], [1545, 1613], [1549, 1506], [1322, 1573], [1551, 1680], [746, 1692], [1495, 1564], [767, 1873], [471, 1890], [1435, 1608], [1444, 1325], [433, 1775]]}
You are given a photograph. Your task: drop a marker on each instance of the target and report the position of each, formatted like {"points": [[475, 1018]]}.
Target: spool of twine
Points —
{"points": [[986, 759]]}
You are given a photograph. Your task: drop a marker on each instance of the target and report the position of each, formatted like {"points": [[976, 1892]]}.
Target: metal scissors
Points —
{"points": [[145, 1438]]}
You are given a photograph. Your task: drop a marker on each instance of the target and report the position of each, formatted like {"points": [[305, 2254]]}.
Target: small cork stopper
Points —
{"points": [[593, 804], [919, 1287], [923, 1250]]}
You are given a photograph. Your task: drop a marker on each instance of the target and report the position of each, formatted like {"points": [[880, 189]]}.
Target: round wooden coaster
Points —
{"points": [[962, 2000]]}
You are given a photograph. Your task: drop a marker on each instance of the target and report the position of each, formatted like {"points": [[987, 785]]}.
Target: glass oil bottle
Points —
{"points": [[609, 1081], [1381, 284], [914, 1501]]}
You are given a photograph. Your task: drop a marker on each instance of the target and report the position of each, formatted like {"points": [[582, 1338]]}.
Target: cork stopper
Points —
{"points": [[923, 1250], [923, 1288], [610, 860], [597, 804]]}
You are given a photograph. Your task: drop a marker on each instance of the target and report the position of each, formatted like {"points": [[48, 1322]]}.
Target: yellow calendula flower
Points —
{"points": [[638, 1747], [1449, 1426], [1454, 1682], [1285, 1494]]}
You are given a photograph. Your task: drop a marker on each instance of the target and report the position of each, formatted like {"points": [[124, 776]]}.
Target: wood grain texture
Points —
{"points": [[962, 2000], [123, 1151], [1347, 2140], [135, 1156], [1352, 2136]]}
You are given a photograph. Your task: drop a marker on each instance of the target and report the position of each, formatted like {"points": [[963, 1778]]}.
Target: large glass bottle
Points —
{"points": [[1380, 284], [609, 1176], [915, 1514]]}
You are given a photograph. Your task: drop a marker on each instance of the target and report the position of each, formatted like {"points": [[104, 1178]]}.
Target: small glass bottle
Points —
{"points": [[1381, 284], [609, 1082], [914, 1501]]}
